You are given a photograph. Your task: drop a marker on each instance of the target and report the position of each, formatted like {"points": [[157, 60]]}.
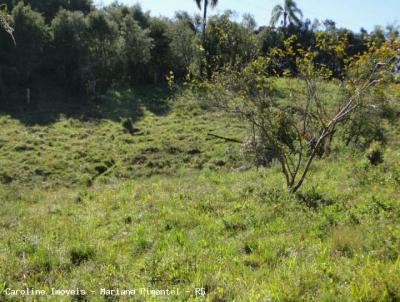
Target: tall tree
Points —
{"points": [[161, 49], [205, 3], [32, 36], [289, 12], [105, 45], [136, 49], [71, 49]]}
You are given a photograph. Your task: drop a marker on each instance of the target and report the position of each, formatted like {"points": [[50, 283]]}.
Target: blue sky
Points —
{"points": [[352, 14]]}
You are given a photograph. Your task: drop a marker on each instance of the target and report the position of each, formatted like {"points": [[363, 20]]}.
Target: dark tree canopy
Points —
{"points": [[49, 8], [77, 45]]}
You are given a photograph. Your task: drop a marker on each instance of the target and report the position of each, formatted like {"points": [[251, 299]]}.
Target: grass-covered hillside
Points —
{"points": [[134, 193], [123, 136]]}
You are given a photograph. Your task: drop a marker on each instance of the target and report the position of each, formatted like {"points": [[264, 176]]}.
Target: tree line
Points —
{"points": [[87, 50]]}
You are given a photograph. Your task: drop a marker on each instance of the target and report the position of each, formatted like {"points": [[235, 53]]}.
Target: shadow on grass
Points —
{"points": [[48, 106]]}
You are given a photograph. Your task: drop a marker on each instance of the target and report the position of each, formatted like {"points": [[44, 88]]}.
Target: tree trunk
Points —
{"points": [[324, 134], [28, 96], [285, 14], [327, 144], [205, 21], [204, 37]]}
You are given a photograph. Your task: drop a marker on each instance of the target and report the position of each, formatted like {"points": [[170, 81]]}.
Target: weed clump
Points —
{"points": [[346, 241], [219, 162], [43, 261], [313, 199], [81, 254], [142, 246], [100, 169], [128, 220], [5, 178], [375, 155], [128, 126], [193, 151]]}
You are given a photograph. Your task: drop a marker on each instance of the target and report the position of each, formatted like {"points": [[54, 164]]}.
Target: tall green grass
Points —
{"points": [[84, 204]]}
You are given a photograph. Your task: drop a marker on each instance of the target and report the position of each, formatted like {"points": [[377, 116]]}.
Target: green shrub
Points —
{"points": [[375, 154]]}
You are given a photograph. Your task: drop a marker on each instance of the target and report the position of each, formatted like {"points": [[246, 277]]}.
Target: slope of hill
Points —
{"points": [[87, 203]]}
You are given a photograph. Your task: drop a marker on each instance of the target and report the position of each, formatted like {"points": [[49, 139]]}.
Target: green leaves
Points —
{"points": [[4, 21]]}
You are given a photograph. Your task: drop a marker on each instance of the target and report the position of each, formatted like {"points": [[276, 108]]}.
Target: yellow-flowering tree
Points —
{"points": [[295, 129]]}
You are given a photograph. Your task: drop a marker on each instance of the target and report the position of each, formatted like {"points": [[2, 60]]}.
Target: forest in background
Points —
{"points": [[85, 51]]}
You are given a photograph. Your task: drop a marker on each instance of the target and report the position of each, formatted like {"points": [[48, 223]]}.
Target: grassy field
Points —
{"points": [[87, 205], [64, 149]]}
